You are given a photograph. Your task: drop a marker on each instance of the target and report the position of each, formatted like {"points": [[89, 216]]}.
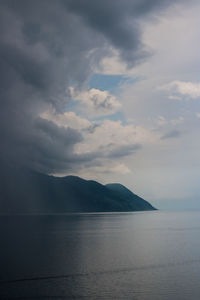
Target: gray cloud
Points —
{"points": [[117, 21], [173, 134], [45, 46], [43, 49], [123, 150]]}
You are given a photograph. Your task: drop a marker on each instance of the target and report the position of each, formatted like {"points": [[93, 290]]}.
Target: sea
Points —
{"points": [[140, 256]]}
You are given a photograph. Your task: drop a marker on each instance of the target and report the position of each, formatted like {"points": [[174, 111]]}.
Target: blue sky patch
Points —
{"points": [[108, 82]]}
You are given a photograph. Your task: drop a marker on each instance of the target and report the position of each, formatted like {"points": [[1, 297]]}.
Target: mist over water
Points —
{"points": [[143, 255]]}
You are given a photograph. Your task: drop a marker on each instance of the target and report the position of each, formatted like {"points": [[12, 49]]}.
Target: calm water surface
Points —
{"points": [[144, 255]]}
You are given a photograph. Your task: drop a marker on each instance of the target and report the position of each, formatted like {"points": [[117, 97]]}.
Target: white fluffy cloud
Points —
{"points": [[110, 168], [182, 88], [96, 101], [110, 141], [162, 121], [66, 119], [112, 135]]}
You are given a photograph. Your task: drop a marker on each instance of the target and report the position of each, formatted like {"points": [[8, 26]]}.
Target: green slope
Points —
{"points": [[24, 191]]}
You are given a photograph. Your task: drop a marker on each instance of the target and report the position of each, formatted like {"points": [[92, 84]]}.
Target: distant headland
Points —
{"points": [[26, 191]]}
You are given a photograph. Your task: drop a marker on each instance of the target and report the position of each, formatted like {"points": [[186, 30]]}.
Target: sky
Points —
{"points": [[105, 90]]}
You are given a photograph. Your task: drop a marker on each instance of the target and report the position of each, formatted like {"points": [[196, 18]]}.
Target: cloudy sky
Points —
{"points": [[106, 90]]}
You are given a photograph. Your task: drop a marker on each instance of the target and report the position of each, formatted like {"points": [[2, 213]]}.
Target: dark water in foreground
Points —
{"points": [[146, 255]]}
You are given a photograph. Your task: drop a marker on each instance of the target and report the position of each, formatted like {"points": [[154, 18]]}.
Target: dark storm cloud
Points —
{"points": [[45, 46], [43, 49], [118, 22], [173, 134], [124, 150]]}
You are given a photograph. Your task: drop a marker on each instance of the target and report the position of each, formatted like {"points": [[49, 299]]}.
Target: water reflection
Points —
{"points": [[100, 256]]}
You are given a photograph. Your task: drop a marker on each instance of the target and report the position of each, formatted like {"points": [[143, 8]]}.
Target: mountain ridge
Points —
{"points": [[24, 190]]}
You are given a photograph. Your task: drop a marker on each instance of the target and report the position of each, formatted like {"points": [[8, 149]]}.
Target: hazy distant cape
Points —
{"points": [[24, 191]]}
